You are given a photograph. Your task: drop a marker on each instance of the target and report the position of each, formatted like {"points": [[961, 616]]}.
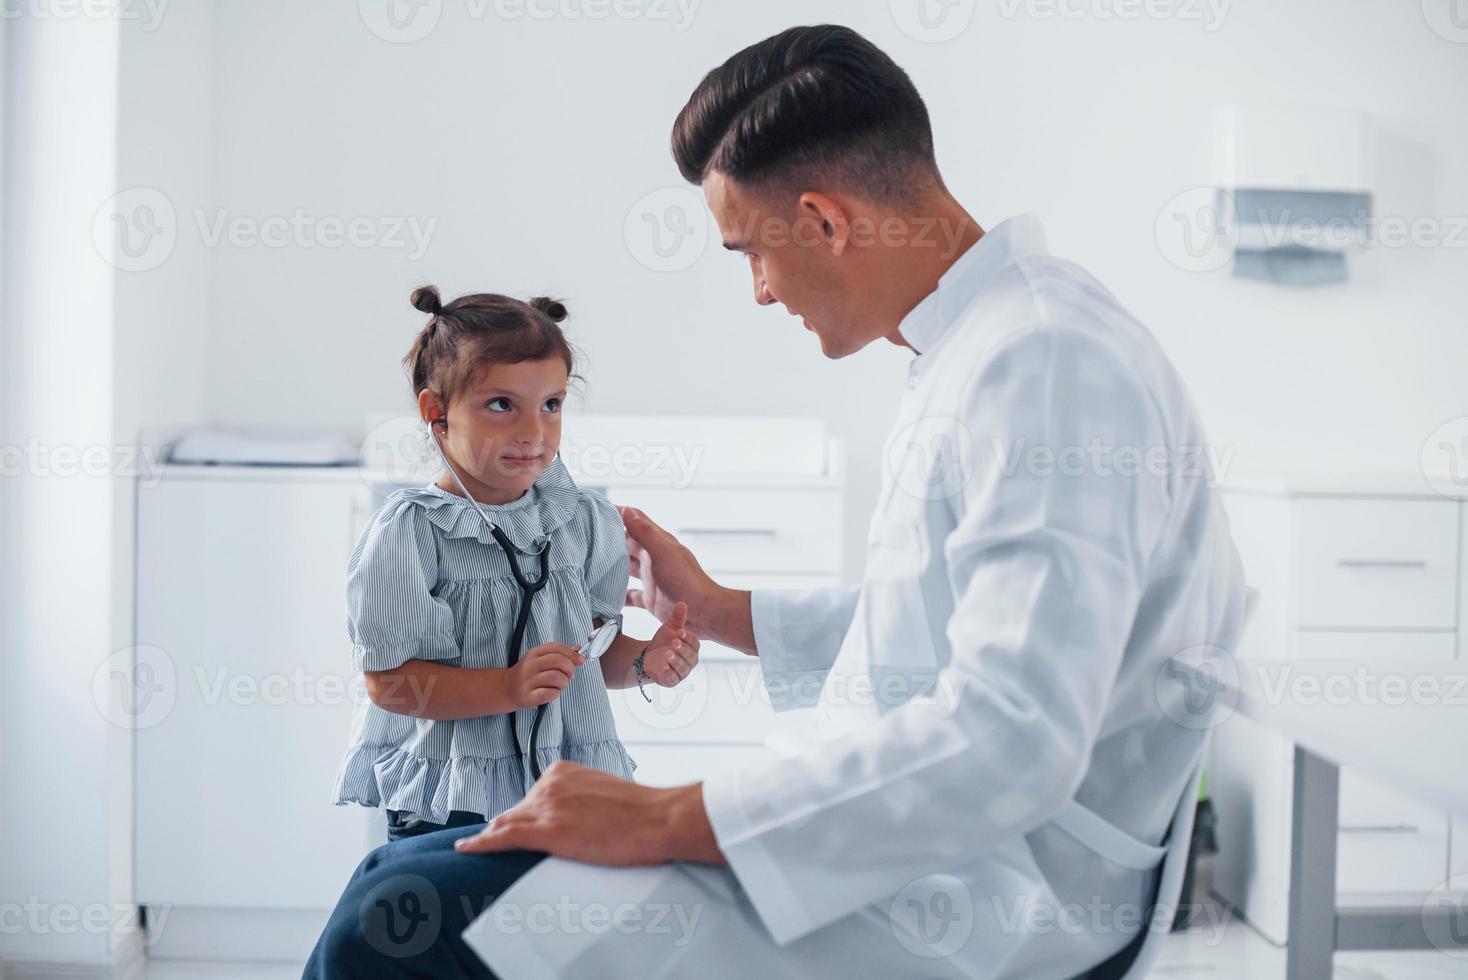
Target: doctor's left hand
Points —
{"points": [[584, 814]]}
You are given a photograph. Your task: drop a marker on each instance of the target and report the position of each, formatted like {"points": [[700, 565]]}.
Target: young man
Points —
{"points": [[993, 747]]}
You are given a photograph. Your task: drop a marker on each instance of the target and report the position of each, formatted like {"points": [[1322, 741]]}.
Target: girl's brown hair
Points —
{"points": [[481, 329]]}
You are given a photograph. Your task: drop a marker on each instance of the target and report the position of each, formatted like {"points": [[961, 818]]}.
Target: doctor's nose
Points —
{"points": [[762, 294]]}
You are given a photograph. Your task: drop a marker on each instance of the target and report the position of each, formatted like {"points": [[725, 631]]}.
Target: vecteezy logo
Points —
{"points": [[402, 916], [671, 708], [1445, 917], [135, 230], [1445, 458], [135, 688], [1447, 18], [400, 21], [668, 230], [932, 458], [1198, 688], [398, 450], [933, 21], [933, 917], [1195, 230]]}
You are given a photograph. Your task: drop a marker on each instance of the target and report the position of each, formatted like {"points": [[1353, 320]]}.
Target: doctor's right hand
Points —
{"points": [[542, 673], [668, 571], [670, 574]]}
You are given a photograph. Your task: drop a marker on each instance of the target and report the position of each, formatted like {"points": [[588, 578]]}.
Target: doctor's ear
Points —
{"points": [[827, 215]]}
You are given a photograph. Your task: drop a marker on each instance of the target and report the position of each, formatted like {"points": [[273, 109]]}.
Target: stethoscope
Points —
{"points": [[600, 641]]}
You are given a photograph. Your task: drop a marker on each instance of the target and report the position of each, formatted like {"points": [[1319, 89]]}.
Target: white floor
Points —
{"points": [[1227, 951], [1237, 952]]}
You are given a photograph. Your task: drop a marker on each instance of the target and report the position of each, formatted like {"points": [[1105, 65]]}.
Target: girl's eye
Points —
{"points": [[498, 404], [553, 405]]}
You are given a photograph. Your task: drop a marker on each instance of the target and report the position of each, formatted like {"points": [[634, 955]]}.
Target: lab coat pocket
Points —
{"points": [[894, 611]]}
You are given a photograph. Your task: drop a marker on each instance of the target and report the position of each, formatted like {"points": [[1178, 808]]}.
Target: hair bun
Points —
{"points": [[427, 300], [552, 308]]}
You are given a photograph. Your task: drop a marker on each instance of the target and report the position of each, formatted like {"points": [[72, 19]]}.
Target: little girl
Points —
{"points": [[464, 627]]}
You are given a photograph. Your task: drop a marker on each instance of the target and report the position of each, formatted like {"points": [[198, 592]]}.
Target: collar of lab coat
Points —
{"points": [[926, 324]]}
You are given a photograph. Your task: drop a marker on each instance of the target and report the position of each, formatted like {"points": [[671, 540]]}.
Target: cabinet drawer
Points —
{"points": [[1372, 647], [748, 530], [1376, 563], [680, 764], [1388, 842]]}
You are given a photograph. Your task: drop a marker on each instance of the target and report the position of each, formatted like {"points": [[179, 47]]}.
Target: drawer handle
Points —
{"points": [[1382, 563], [1385, 828], [735, 532]]}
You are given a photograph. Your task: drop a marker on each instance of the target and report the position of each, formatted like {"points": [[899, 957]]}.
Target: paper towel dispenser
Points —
{"points": [[1295, 190]]}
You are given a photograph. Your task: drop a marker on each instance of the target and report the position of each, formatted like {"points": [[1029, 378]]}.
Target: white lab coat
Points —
{"points": [[995, 751]]}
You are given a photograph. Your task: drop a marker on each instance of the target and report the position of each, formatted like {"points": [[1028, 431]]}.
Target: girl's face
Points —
{"points": [[504, 429]]}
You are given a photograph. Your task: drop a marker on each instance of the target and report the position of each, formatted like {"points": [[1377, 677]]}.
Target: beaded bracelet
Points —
{"points": [[642, 672]]}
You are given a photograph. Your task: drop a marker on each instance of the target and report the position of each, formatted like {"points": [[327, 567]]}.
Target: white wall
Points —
{"points": [[529, 140], [4, 533], [95, 345], [160, 311], [56, 524]]}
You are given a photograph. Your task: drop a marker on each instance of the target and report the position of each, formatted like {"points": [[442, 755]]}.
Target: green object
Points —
{"points": [[1204, 844]]}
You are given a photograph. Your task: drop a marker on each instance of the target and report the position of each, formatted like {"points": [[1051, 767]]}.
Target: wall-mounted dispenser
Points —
{"points": [[1295, 190]]}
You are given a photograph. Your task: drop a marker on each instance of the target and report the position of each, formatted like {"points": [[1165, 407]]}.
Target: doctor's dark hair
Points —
{"points": [[475, 331], [810, 106]]}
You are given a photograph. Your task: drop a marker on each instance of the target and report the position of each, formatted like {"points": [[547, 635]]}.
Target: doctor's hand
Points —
{"points": [[670, 574], [588, 815], [668, 571], [673, 652]]}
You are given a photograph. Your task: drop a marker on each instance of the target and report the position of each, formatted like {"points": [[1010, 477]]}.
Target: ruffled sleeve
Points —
{"points": [[393, 615], [606, 559]]}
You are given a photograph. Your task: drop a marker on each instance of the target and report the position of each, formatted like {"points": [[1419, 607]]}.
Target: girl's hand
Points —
{"points": [[673, 652], [542, 673]]}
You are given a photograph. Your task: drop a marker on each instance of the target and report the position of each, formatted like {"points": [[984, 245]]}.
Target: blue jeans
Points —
{"points": [[406, 905], [399, 828]]}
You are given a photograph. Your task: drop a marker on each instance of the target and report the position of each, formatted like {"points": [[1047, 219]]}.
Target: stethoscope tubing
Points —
{"points": [[528, 590]]}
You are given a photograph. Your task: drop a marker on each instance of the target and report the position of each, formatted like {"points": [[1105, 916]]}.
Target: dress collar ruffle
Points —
{"points": [[550, 503]]}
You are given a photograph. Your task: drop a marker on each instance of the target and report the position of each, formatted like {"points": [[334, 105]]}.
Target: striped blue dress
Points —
{"points": [[428, 582]]}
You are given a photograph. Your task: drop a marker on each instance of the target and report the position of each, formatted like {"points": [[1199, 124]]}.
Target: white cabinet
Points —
{"points": [[241, 623], [721, 714], [751, 529], [1344, 572], [1376, 564], [767, 520]]}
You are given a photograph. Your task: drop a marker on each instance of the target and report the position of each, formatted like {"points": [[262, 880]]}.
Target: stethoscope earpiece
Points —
{"points": [[499, 535]]}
